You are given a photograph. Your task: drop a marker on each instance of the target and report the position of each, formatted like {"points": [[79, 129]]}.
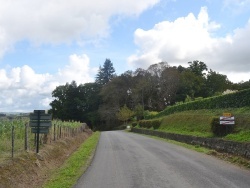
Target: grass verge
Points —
{"points": [[75, 165]]}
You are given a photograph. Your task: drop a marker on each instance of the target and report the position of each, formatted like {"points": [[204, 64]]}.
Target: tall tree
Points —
{"points": [[216, 83], [114, 94], [144, 91], [58, 104], [197, 67], [169, 84], [65, 103], [90, 101], [79, 103], [190, 85], [105, 73]]}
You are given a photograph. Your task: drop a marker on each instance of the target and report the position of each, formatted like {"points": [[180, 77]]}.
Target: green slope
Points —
{"points": [[197, 123]]}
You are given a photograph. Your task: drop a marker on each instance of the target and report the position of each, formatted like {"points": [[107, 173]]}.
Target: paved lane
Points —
{"points": [[127, 160]]}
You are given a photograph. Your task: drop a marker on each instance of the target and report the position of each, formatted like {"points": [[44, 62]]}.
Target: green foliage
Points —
{"points": [[192, 122], [232, 100], [78, 103], [105, 73], [139, 111], [148, 114], [144, 124], [215, 124], [188, 99], [134, 124], [197, 67], [199, 123], [155, 123], [19, 134], [241, 136], [124, 114], [216, 83], [198, 98], [142, 90]]}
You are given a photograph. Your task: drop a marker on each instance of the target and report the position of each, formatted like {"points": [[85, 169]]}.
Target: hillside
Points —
{"points": [[198, 123]]}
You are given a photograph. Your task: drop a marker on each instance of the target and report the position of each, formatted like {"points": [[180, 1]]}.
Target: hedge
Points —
{"points": [[232, 100], [150, 123]]}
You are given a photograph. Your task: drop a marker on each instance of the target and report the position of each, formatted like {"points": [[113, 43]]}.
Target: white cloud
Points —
{"points": [[190, 38], [61, 21], [22, 89], [77, 69]]}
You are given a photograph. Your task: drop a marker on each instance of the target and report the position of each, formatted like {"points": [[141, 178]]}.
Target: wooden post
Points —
{"points": [[37, 137], [13, 139], [60, 132], [54, 132], [26, 137]]}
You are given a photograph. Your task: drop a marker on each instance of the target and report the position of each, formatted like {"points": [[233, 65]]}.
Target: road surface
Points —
{"points": [[128, 160]]}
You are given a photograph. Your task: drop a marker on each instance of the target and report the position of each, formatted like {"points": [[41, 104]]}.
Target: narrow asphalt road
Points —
{"points": [[127, 160]]}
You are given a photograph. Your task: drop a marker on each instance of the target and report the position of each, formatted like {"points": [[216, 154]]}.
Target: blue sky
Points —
{"points": [[44, 44]]}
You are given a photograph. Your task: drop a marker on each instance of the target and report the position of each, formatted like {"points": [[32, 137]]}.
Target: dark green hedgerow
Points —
{"points": [[134, 124], [233, 100], [150, 123]]}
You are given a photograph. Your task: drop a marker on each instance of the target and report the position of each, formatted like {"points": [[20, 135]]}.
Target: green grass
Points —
{"points": [[197, 123], [75, 166], [242, 136]]}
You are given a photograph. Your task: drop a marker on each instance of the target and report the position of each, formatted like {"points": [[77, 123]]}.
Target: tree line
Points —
{"points": [[113, 99]]}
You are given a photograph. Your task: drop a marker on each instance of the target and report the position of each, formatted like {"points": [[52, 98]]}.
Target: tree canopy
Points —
{"points": [[112, 99], [105, 73]]}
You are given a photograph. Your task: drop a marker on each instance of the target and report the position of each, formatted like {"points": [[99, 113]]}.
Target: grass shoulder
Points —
{"points": [[75, 165]]}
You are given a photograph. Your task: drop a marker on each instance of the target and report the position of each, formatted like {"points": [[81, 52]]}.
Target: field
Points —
{"points": [[16, 136]]}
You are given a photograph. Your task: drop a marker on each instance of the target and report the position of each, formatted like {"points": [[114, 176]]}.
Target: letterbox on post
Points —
{"points": [[39, 123]]}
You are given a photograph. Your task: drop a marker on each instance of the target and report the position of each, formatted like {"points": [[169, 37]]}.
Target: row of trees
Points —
{"points": [[107, 101]]}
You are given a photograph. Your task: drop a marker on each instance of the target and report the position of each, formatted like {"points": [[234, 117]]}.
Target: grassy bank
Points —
{"points": [[197, 123], [74, 167]]}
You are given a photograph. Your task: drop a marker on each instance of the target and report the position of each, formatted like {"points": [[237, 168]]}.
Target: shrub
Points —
{"points": [[218, 129], [150, 123], [141, 123], [231, 100], [156, 124], [134, 124]]}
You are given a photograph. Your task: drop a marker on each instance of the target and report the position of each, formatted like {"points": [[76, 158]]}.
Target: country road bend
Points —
{"points": [[128, 160]]}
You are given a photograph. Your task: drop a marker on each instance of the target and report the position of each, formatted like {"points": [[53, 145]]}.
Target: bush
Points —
{"points": [[134, 124], [141, 123], [156, 124], [218, 129], [150, 123], [145, 124]]}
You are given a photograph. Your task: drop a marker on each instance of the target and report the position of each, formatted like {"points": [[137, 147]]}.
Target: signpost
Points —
{"points": [[227, 119], [39, 123]]}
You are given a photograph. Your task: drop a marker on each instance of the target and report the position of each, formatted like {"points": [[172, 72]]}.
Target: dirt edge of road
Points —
{"points": [[30, 170]]}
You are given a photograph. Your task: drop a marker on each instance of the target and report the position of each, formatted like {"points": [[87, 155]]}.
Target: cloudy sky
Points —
{"points": [[44, 44]]}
